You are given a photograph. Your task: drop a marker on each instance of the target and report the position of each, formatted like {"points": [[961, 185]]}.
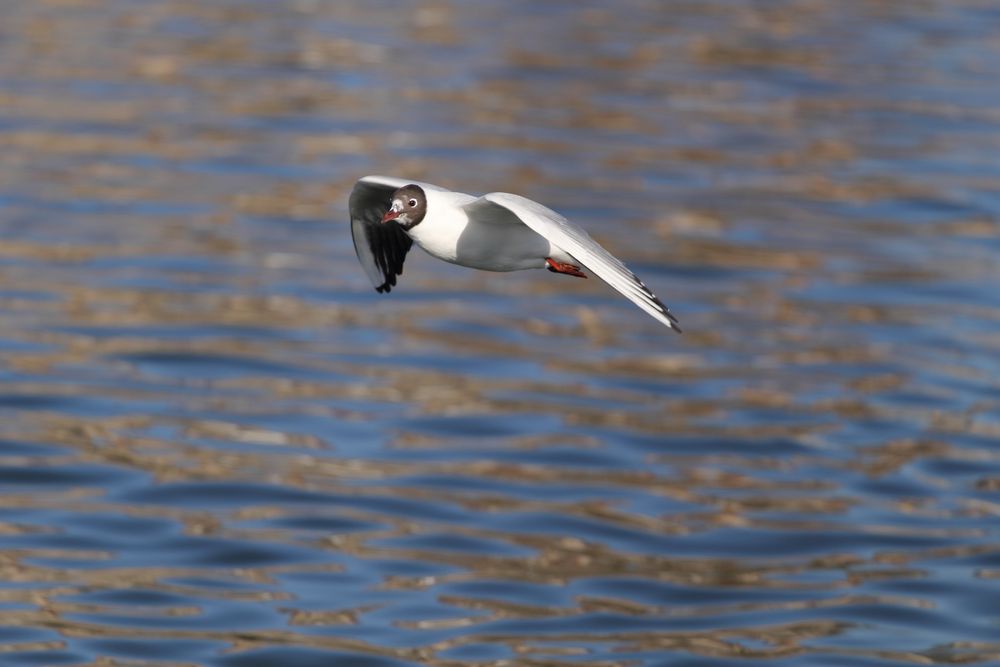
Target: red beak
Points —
{"points": [[390, 215]]}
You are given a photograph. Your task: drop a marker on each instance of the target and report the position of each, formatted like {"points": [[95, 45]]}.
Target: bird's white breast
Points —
{"points": [[443, 224]]}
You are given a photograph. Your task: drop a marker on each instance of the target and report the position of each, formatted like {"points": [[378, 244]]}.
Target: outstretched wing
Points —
{"points": [[588, 252], [381, 248]]}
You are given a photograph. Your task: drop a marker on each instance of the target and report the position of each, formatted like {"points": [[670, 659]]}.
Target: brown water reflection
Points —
{"points": [[220, 447]]}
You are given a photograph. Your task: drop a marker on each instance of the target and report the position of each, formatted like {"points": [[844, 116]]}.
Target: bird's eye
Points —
{"points": [[412, 202]]}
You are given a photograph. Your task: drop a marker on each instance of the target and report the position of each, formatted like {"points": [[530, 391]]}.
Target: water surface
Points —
{"points": [[219, 446]]}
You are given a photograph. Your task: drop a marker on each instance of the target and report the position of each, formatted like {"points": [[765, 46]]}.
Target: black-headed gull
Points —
{"points": [[496, 232]]}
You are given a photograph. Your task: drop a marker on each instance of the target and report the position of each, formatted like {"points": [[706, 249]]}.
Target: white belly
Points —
{"points": [[493, 247], [489, 246]]}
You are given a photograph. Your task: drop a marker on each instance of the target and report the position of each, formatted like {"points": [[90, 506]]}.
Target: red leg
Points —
{"points": [[560, 267]]}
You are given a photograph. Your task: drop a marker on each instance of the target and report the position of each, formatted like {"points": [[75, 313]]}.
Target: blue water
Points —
{"points": [[219, 446]]}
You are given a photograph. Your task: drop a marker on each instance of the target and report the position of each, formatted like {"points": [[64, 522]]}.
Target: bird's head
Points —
{"points": [[408, 208]]}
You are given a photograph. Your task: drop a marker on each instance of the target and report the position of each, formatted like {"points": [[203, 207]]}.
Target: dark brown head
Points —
{"points": [[409, 206]]}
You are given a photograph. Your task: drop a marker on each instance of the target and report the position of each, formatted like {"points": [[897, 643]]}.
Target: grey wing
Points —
{"points": [[381, 248], [573, 240]]}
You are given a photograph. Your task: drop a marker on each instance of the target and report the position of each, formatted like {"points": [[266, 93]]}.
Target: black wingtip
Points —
{"points": [[662, 307], [390, 282], [674, 324]]}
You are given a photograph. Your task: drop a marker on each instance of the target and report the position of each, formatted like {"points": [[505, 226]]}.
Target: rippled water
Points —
{"points": [[219, 446]]}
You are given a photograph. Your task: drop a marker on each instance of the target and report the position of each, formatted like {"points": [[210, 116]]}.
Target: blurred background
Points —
{"points": [[219, 446]]}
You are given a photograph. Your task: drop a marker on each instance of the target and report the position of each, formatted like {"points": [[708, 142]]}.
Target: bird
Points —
{"points": [[498, 231]]}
